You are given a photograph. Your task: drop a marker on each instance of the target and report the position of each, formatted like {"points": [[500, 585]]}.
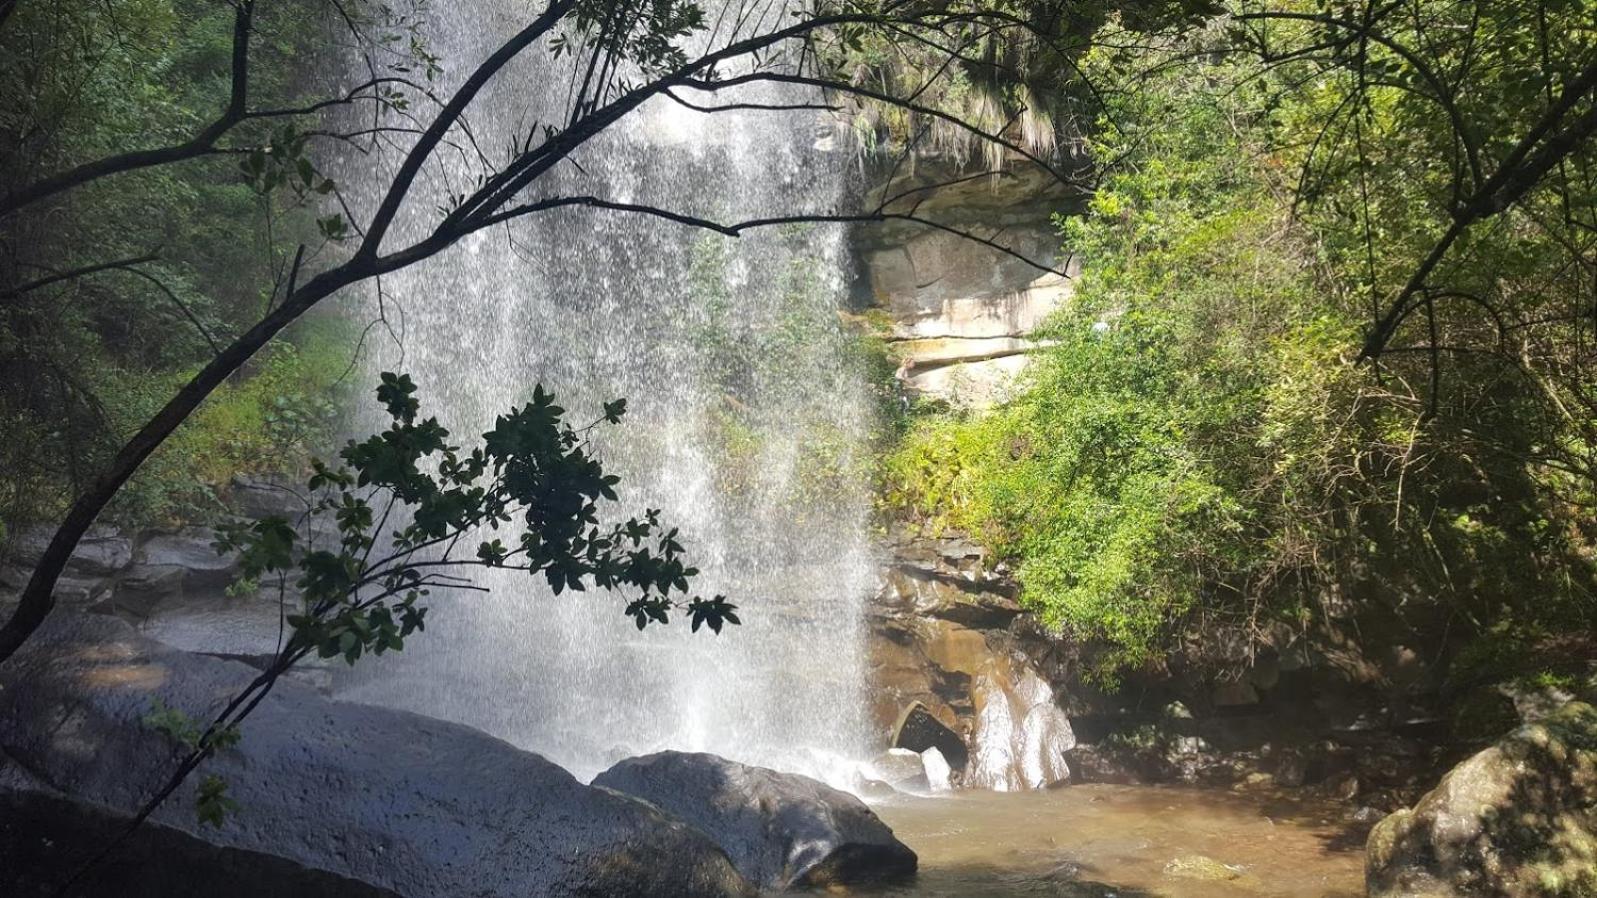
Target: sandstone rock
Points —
{"points": [[966, 307], [966, 598], [1021, 736], [782, 830], [334, 798], [957, 649], [1516, 820], [976, 384], [918, 731]]}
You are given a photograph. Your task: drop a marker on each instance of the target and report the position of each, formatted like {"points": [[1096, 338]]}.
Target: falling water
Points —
{"points": [[747, 412]]}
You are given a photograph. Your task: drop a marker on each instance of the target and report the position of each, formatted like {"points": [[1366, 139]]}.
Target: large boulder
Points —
{"points": [[102, 552], [1516, 820], [782, 830], [192, 552], [333, 798]]}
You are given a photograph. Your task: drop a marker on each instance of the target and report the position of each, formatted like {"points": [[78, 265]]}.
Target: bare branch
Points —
{"points": [[59, 277], [737, 229], [767, 107]]}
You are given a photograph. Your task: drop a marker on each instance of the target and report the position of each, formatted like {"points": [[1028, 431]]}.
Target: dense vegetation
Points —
{"points": [[1226, 434], [194, 252], [1328, 361]]}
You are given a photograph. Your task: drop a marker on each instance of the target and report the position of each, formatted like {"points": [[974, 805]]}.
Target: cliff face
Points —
{"points": [[964, 313], [948, 669]]}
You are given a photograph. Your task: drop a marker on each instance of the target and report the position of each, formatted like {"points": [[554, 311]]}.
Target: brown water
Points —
{"points": [[1102, 841]]}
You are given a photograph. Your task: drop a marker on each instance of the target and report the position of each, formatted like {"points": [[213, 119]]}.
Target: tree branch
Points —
{"points": [[483, 209], [1519, 172], [203, 144], [737, 229], [399, 188], [75, 273]]}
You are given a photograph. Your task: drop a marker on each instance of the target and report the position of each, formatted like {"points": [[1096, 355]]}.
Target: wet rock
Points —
{"points": [[902, 676], [950, 664], [1102, 764], [102, 552], [256, 498], [1257, 780], [192, 551], [970, 598], [147, 587], [1518, 819], [1344, 787], [939, 776], [902, 769], [1291, 767], [781, 830], [334, 798], [919, 731], [873, 788], [1366, 814], [268, 497], [81, 592], [1234, 693], [1021, 736]]}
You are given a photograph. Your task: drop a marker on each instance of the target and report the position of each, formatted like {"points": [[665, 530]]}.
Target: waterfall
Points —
{"points": [[747, 416]]}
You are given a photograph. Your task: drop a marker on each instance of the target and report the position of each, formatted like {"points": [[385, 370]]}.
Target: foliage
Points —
{"points": [[270, 422], [407, 511], [975, 69], [777, 379], [1198, 451], [85, 360], [533, 475]]}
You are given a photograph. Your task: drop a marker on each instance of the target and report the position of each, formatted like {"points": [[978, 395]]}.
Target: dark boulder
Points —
{"points": [[334, 798], [1108, 763], [782, 830]]}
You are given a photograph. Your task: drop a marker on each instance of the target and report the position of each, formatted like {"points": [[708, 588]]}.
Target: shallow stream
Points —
{"points": [[1128, 842]]}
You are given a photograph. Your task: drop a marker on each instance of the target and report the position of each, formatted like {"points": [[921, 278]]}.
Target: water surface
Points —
{"points": [[1098, 840]]}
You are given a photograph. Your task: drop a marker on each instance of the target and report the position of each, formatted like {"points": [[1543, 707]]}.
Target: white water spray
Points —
{"points": [[746, 423]]}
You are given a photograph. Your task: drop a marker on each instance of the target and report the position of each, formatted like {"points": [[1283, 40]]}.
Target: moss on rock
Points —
{"points": [[1516, 820]]}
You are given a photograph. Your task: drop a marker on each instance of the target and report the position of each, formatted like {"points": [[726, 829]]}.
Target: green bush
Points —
{"points": [[273, 420], [1196, 449]]}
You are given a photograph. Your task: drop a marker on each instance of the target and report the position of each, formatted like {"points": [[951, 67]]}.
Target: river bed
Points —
{"points": [[1127, 842]]}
